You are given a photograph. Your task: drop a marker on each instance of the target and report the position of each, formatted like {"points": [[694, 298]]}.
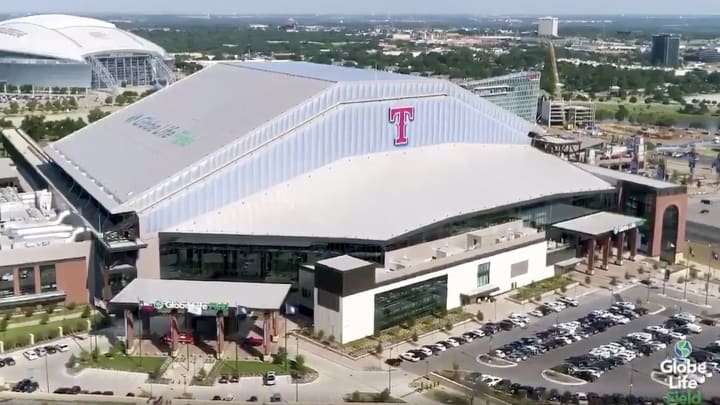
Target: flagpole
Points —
{"points": [[287, 355], [707, 279], [687, 270]]}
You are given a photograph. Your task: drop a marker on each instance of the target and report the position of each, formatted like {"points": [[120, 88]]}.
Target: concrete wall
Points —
{"points": [[356, 318]]}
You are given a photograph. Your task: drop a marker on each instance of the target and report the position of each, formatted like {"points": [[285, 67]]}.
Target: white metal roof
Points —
{"points": [[344, 263], [615, 175], [69, 37], [269, 296], [385, 195], [600, 223]]}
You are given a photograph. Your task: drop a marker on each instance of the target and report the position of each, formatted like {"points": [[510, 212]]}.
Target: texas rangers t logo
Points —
{"points": [[400, 116]]}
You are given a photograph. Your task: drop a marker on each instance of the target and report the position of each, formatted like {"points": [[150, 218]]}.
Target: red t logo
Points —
{"points": [[400, 116]]}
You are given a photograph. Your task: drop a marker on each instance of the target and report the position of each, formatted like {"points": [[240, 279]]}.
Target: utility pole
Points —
{"points": [[47, 375]]}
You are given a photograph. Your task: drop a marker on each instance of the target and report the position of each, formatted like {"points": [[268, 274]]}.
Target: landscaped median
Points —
{"points": [[409, 331], [115, 359], [536, 289], [250, 368]]}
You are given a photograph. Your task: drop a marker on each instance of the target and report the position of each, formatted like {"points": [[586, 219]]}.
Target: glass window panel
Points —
{"points": [[483, 274], [27, 280], [410, 302], [48, 281], [6, 282]]}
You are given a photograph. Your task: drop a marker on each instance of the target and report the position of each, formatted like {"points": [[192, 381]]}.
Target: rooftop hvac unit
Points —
{"points": [[439, 253], [500, 239]]}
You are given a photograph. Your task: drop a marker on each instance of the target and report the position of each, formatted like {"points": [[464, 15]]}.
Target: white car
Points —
{"points": [[441, 348], [685, 316], [452, 342], [626, 305], [30, 355], [478, 333], [62, 347], [677, 335], [426, 351], [622, 320], [411, 357], [569, 301], [520, 317], [270, 378], [536, 313], [640, 336], [491, 381], [657, 329], [693, 327]]}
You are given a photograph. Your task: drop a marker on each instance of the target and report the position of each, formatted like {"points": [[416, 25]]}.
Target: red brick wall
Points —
{"points": [[662, 203], [71, 276]]}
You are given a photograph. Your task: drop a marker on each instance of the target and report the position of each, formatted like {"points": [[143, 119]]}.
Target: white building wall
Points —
{"points": [[548, 27], [358, 310]]}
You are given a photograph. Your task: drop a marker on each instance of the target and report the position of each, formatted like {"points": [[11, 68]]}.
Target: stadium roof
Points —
{"points": [[69, 38], [232, 114], [616, 175], [386, 195]]}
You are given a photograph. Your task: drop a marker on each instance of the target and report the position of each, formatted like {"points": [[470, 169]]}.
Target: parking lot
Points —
{"points": [[616, 380]]}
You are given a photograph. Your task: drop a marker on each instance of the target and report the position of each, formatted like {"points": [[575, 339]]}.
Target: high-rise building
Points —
{"points": [[665, 50], [516, 92], [548, 27]]}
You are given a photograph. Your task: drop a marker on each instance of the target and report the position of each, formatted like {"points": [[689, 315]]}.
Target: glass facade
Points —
{"points": [[48, 281], [27, 280], [127, 70], [6, 282], [279, 260], [669, 234], [517, 92], [410, 302], [483, 274]]}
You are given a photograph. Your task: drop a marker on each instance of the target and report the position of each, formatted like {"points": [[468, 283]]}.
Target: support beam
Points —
{"points": [[591, 256], [620, 248], [220, 322], [606, 248], [266, 335], [129, 332], [174, 333], [633, 234]]}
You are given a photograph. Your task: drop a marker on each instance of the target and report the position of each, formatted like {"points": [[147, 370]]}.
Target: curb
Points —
{"points": [[486, 364], [578, 382], [653, 377], [662, 308]]}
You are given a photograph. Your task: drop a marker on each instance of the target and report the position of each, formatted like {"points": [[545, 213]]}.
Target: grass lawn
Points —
{"points": [[249, 368], [537, 288], [446, 397], [22, 332], [38, 315], [127, 363]]}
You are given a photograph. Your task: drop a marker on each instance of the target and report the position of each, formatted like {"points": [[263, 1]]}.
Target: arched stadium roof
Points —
{"points": [[69, 37]]}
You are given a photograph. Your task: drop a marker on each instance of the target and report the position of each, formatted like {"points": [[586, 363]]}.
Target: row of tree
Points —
{"points": [[40, 129]]}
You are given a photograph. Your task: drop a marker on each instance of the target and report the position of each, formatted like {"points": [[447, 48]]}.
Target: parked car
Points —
{"points": [[411, 357], [62, 347], [270, 378], [234, 378], [50, 349], [30, 355], [253, 341], [569, 301], [183, 338], [9, 361], [223, 379], [276, 397]]}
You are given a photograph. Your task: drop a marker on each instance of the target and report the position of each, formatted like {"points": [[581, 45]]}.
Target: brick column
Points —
{"points": [[606, 248], [266, 335], [620, 248], [633, 235], [129, 332], [36, 279], [174, 333], [591, 255], [220, 322], [16, 281]]}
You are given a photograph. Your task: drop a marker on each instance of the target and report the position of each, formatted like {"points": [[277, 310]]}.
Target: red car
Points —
{"points": [[253, 341], [183, 337]]}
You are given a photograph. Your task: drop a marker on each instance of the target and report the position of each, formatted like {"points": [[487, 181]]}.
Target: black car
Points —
{"points": [[108, 393], [507, 325], [419, 353], [51, 349], [26, 385], [2, 363], [9, 361], [395, 362], [253, 399], [275, 397], [491, 328], [223, 379], [433, 349], [641, 310], [217, 398], [234, 378]]}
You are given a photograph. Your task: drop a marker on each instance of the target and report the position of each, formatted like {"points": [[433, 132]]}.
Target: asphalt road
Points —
{"points": [[615, 381]]}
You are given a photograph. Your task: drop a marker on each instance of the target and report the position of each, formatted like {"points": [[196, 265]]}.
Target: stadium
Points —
{"points": [[62, 51], [362, 198]]}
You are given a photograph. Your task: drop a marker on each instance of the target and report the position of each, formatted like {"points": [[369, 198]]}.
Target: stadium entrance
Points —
{"points": [[194, 312]]}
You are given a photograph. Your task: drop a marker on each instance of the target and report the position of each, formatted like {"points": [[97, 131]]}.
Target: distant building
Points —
{"points": [[516, 92], [548, 27], [665, 50], [708, 55]]}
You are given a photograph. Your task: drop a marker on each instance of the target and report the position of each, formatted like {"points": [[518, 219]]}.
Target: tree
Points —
{"points": [[96, 114], [299, 364], [633, 99], [108, 100], [622, 113]]}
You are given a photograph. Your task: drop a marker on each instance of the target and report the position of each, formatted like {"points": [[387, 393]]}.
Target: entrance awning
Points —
{"points": [[484, 291], [600, 224], [220, 295]]}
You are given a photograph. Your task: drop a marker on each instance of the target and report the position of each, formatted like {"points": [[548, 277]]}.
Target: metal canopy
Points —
{"points": [[253, 296], [600, 223]]}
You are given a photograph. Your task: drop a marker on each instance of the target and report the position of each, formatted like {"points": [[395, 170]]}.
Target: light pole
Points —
{"points": [[707, 281], [649, 281], [427, 368], [47, 374], [297, 382], [389, 370]]}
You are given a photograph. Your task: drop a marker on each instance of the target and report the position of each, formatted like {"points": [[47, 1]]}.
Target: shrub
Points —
{"points": [[299, 364], [378, 348], [410, 323], [331, 339], [613, 280], [681, 279], [656, 266], [53, 333], [538, 298], [415, 337], [448, 326], [693, 272], [50, 308], [80, 326], [588, 279], [320, 334], [29, 311], [383, 396], [480, 316], [71, 305], [44, 320], [641, 270], [563, 289], [7, 316], [85, 313], [3, 325], [638, 301], [281, 356]]}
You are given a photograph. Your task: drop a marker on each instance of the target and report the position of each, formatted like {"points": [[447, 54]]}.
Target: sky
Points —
{"points": [[288, 7]]}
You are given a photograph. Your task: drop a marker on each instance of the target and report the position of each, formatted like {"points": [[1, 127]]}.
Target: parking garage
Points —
{"points": [[198, 312]]}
